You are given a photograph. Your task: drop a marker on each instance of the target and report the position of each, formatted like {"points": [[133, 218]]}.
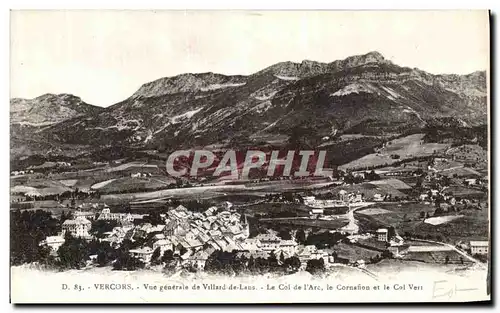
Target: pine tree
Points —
{"points": [[156, 255], [300, 236], [282, 258]]}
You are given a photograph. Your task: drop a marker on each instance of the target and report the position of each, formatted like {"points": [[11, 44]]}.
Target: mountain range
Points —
{"points": [[364, 94]]}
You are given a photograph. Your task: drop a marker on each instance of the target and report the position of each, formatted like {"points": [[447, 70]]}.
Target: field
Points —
{"points": [[405, 148], [473, 225], [313, 223], [287, 185], [396, 213], [400, 215], [438, 257], [39, 187], [370, 190], [469, 153], [354, 253], [212, 191], [398, 269], [373, 211], [392, 182], [135, 166], [461, 191], [132, 183], [276, 208], [460, 171], [201, 192], [438, 220]]}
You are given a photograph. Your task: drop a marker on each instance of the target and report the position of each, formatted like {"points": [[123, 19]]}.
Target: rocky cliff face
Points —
{"points": [[188, 83]]}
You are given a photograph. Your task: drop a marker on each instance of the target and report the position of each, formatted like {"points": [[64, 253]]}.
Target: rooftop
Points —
{"points": [[145, 250], [76, 221], [480, 243]]}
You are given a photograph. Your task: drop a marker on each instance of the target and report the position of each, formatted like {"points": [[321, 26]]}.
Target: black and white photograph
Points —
{"points": [[249, 156]]}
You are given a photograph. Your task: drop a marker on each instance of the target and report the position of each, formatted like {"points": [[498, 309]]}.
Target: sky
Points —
{"points": [[105, 56]]}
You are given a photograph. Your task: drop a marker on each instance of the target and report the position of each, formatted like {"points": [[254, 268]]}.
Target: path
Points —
{"points": [[353, 227]]}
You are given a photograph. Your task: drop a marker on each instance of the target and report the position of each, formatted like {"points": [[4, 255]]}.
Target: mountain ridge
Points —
{"points": [[366, 93]]}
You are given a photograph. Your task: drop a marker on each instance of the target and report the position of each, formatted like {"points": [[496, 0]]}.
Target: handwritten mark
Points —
{"points": [[445, 289]]}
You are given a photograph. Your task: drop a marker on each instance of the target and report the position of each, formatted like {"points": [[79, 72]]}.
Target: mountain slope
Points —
{"points": [[364, 94]]}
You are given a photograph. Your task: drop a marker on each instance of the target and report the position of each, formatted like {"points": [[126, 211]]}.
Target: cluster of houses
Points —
{"points": [[192, 236], [138, 174], [17, 173], [397, 246], [195, 236], [317, 206]]}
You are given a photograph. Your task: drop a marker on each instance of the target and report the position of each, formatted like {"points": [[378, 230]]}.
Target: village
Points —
{"points": [[191, 237], [429, 209], [188, 239]]}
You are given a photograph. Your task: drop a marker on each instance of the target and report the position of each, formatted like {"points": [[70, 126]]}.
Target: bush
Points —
{"points": [[316, 267]]}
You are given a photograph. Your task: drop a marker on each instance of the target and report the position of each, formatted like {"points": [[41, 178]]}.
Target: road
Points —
{"points": [[353, 227]]}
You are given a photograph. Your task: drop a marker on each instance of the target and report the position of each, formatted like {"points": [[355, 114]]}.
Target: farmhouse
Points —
{"points": [[268, 242], [78, 227], [54, 242], [310, 252], [107, 215], [143, 254], [423, 197], [382, 234], [479, 247], [470, 181], [199, 258], [88, 215], [315, 211], [343, 196]]}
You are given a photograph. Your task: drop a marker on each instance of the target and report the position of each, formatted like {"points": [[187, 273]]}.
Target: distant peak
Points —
{"points": [[375, 54], [52, 96], [308, 62], [46, 95]]}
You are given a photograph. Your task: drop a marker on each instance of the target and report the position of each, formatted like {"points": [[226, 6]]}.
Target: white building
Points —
{"points": [[78, 227], [87, 214], [288, 246], [199, 259], [471, 181], [164, 245], [423, 197], [54, 242], [397, 241], [143, 254], [358, 198], [479, 247], [312, 253], [343, 196], [268, 242], [107, 215], [382, 234], [315, 211]]}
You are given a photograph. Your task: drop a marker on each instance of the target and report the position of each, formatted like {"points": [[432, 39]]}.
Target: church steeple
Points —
{"points": [[246, 227]]}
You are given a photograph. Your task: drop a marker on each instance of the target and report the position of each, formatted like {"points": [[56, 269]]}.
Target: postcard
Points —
{"points": [[249, 156]]}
